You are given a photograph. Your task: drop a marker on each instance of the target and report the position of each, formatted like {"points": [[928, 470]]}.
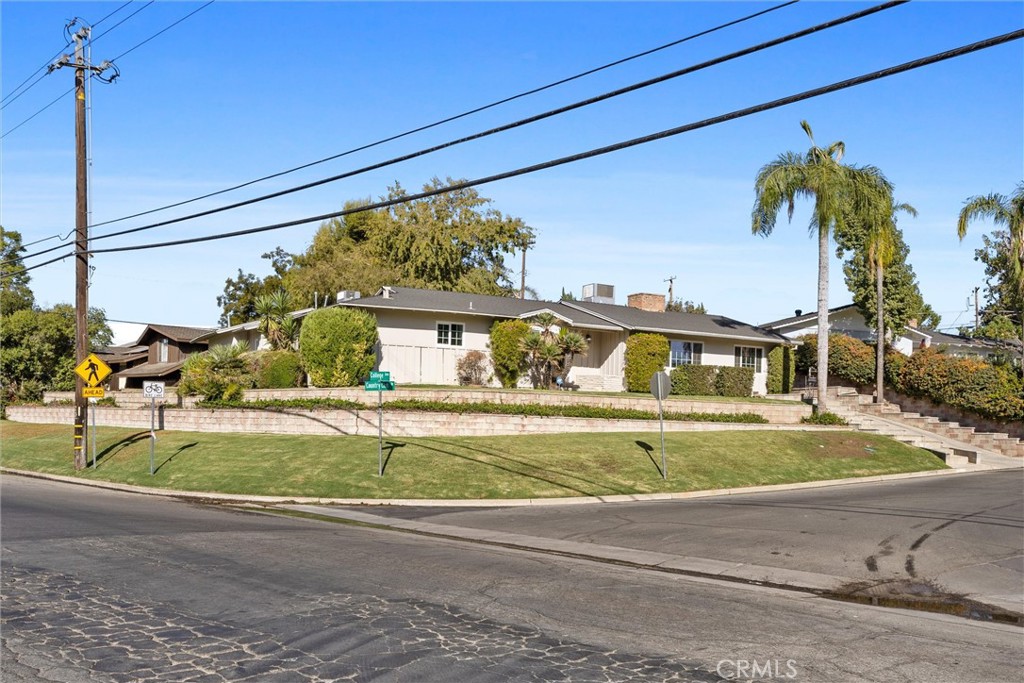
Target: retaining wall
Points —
{"points": [[361, 422]]}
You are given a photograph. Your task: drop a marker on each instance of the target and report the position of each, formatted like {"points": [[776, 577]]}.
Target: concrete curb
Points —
{"points": [[518, 502]]}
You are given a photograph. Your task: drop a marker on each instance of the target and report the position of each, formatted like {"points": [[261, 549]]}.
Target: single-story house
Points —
{"points": [[423, 333], [164, 348], [849, 321]]}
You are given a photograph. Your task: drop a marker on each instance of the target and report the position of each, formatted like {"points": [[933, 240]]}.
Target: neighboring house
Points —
{"points": [[164, 348], [849, 321], [248, 333], [423, 333]]}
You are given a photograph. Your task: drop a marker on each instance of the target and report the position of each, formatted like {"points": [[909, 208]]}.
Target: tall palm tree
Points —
{"points": [[882, 251], [276, 323], [838, 190], [1008, 211]]}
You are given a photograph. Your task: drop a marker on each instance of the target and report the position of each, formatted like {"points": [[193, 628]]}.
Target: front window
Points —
{"points": [[749, 357], [449, 334], [685, 353]]}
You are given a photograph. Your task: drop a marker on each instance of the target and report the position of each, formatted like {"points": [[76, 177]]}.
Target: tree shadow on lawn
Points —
{"points": [[525, 465]]}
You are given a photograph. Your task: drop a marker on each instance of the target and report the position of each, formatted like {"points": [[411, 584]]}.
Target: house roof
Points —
{"points": [[580, 314], [811, 316], [672, 322], [152, 369], [122, 354], [435, 301], [178, 333]]}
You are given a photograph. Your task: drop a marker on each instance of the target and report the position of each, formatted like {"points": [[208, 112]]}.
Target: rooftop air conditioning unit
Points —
{"points": [[346, 294], [599, 294]]}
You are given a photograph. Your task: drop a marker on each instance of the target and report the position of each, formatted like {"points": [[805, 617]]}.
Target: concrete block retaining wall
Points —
{"points": [[360, 422]]}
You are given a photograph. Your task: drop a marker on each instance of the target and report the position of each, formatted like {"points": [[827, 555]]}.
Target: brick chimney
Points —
{"points": [[647, 302]]}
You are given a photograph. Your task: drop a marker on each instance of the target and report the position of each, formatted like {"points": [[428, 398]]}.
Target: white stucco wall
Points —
{"points": [[409, 348]]}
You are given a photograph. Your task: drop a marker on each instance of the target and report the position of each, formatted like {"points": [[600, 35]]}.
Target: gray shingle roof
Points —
{"points": [[178, 333], [579, 314]]}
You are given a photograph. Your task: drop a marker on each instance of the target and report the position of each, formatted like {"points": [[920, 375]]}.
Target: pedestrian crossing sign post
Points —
{"points": [[92, 370]]}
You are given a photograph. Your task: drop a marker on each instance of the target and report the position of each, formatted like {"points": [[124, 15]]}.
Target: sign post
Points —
{"points": [[92, 432], [380, 381], [153, 391], [661, 386], [92, 371]]}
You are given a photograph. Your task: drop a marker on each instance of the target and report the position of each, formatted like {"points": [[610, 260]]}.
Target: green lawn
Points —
{"points": [[539, 466]]}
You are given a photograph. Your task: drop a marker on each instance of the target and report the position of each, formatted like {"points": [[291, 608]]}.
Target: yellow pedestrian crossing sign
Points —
{"points": [[92, 370]]}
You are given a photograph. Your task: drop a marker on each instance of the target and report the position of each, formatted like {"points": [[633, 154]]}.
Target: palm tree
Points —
{"points": [[1008, 211], [276, 323], [838, 190], [882, 251]]}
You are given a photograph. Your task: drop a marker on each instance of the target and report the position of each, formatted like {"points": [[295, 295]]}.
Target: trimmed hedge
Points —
{"points": [[277, 369], [781, 370], [969, 384], [507, 356], [694, 380], [337, 346], [848, 358], [646, 354], [734, 381]]}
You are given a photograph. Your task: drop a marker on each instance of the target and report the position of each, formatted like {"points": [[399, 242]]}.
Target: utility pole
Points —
{"points": [[527, 243], [671, 281], [976, 317], [81, 230]]}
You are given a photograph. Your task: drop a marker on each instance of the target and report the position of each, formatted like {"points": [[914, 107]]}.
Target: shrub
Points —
{"points": [[30, 391], [232, 392], [781, 370], [471, 369], [277, 369], [824, 418], [209, 373], [851, 359], [646, 354], [734, 381], [337, 346], [507, 356], [693, 380]]}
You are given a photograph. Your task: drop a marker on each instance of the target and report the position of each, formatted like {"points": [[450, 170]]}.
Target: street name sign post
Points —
{"points": [[379, 381], [152, 391], [661, 386]]}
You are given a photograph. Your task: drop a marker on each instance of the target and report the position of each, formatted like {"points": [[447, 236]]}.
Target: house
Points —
{"points": [[163, 348], [848, 320], [423, 333]]}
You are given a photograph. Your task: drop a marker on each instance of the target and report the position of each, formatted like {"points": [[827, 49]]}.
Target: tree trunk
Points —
{"points": [[822, 318], [880, 342]]}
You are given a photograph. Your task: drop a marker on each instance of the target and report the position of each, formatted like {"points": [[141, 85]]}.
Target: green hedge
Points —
{"points": [[734, 381], [646, 354], [277, 369], [507, 356], [781, 370], [848, 358], [337, 346], [969, 384], [694, 380]]}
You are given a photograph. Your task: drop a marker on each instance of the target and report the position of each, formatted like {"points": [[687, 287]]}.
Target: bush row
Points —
{"points": [[712, 380], [487, 408]]}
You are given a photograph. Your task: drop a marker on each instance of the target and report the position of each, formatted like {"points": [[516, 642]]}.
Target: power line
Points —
{"points": [[59, 52], [740, 113], [509, 126], [453, 118], [138, 45]]}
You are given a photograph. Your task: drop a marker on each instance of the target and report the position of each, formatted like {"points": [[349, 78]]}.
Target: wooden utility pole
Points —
{"points": [[671, 281], [977, 319], [80, 66]]}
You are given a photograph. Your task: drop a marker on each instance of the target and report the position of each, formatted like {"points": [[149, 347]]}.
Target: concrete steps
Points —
{"points": [[889, 420]]}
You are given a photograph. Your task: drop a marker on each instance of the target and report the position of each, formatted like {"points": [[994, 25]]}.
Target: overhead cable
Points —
{"points": [[509, 126], [740, 113]]}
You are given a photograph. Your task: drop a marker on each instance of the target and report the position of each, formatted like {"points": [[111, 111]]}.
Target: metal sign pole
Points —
{"points": [[661, 423], [152, 433], [380, 433], [93, 430]]}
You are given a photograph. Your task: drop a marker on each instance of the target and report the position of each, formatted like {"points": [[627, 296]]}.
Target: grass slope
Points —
{"points": [[539, 466]]}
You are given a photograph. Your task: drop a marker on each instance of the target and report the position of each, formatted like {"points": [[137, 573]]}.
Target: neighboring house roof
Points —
{"points": [[152, 370], [177, 333], [123, 354], [809, 317], [671, 322], [240, 327]]}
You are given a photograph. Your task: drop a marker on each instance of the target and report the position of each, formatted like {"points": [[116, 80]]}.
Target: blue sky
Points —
{"points": [[245, 89]]}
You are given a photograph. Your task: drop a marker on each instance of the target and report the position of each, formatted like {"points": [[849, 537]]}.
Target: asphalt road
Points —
{"points": [[964, 533], [105, 586]]}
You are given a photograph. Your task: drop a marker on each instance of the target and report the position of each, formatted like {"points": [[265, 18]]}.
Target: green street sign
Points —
{"points": [[380, 376], [379, 386]]}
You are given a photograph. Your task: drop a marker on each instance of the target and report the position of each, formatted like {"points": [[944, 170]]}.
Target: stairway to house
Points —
{"points": [[959, 446]]}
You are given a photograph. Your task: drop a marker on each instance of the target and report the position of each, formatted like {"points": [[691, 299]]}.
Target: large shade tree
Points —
{"points": [[839, 191]]}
